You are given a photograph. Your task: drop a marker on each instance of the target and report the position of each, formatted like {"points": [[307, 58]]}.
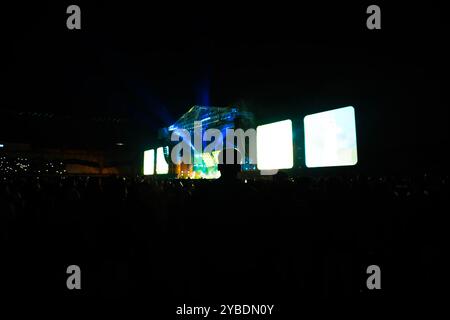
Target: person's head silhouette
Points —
{"points": [[229, 164]]}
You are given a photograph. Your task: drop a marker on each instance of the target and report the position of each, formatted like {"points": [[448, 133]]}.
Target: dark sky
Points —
{"points": [[133, 68]]}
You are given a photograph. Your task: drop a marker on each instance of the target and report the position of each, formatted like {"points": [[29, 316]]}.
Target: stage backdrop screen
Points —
{"points": [[162, 167], [274, 146], [330, 138], [149, 162]]}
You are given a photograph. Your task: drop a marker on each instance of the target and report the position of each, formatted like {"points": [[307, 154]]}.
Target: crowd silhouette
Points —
{"points": [[184, 240]]}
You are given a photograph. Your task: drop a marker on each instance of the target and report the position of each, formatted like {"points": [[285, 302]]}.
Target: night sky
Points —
{"points": [[132, 69]]}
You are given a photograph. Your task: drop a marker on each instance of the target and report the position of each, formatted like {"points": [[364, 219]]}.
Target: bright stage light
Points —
{"points": [[330, 138], [161, 164], [210, 168], [274, 146], [208, 160], [149, 162]]}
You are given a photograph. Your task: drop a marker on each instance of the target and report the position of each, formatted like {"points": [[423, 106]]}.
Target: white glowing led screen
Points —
{"points": [[149, 162], [162, 167], [274, 146], [330, 138]]}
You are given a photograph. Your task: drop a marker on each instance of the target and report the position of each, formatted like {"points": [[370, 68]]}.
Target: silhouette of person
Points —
{"points": [[229, 165]]}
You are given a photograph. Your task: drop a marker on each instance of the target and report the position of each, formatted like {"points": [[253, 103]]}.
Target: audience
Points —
{"points": [[283, 238]]}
